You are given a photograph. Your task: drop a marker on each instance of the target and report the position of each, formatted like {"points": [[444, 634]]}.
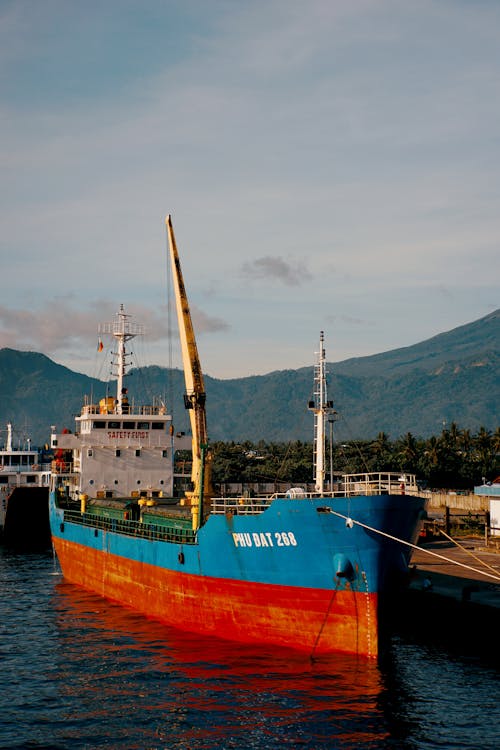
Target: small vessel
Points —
{"points": [[307, 570], [24, 495]]}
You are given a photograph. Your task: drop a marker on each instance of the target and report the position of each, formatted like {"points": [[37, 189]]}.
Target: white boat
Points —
{"points": [[24, 494]]}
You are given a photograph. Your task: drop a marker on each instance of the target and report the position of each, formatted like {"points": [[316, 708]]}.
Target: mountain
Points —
{"points": [[452, 377]]}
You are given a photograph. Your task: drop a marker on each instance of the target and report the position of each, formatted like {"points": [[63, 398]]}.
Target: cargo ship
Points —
{"points": [[24, 494], [300, 569]]}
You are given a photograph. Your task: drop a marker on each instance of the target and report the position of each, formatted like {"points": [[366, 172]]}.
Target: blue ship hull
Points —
{"points": [[306, 573]]}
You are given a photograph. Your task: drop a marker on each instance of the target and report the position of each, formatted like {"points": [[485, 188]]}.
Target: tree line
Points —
{"points": [[455, 459]]}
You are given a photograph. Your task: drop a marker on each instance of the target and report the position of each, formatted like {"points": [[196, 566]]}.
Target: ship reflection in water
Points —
{"points": [[135, 682], [80, 672]]}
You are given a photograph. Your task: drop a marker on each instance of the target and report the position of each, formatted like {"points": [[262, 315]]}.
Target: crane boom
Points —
{"points": [[195, 396]]}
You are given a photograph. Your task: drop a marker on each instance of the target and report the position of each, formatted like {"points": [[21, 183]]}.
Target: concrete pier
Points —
{"points": [[451, 606], [476, 582]]}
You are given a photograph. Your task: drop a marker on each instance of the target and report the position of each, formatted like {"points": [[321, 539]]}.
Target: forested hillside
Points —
{"points": [[450, 378]]}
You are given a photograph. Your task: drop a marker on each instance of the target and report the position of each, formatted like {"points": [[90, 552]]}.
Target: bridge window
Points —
{"points": [[157, 425], [99, 425], [143, 425]]}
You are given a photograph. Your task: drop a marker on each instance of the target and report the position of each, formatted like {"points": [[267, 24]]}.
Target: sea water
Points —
{"points": [[78, 671]]}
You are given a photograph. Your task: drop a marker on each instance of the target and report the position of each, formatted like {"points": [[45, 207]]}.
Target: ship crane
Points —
{"points": [[195, 396]]}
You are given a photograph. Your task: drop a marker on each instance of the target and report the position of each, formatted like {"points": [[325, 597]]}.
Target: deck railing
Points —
{"points": [[132, 408], [238, 506], [349, 485], [153, 532]]}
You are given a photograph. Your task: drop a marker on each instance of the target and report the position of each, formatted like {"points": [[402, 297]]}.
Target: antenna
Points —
{"points": [[321, 408], [122, 330]]}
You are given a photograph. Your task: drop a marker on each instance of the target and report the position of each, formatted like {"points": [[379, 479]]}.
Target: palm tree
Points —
{"points": [[483, 451], [381, 452], [408, 453], [496, 441]]}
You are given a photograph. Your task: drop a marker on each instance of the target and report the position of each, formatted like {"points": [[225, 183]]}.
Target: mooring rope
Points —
{"points": [[495, 577], [486, 565]]}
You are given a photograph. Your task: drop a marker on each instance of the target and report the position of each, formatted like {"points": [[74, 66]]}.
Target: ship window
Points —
{"points": [[157, 425], [4, 480], [30, 479], [14, 460], [164, 454], [91, 481], [99, 425], [138, 481], [90, 452], [114, 425], [129, 425], [116, 481], [137, 451], [143, 425], [118, 452], [161, 481]]}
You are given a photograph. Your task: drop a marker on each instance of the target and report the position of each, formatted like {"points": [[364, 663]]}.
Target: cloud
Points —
{"points": [[59, 326], [276, 268], [49, 329], [204, 323], [354, 145]]}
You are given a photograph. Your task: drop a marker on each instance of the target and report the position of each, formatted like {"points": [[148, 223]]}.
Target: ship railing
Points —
{"points": [[240, 506], [62, 467], [378, 483], [131, 408], [25, 468], [349, 485], [153, 532]]}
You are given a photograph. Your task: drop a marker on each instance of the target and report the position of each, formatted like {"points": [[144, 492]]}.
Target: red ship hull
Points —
{"points": [[314, 620]]}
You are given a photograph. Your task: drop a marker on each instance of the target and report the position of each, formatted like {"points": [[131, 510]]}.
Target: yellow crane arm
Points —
{"points": [[195, 396]]}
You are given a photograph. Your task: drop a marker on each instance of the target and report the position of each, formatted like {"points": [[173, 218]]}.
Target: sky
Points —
{"points": [[328, 164]]}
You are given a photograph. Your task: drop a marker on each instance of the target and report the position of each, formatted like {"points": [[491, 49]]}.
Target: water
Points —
{"points": [[80, 672]]}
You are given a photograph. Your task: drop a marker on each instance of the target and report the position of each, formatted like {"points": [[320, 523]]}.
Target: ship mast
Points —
{"points": [[123, 330], [195, 396], [321, 408]]}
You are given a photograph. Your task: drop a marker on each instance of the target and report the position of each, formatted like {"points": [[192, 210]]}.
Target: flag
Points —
{"points": [[100, 346]]}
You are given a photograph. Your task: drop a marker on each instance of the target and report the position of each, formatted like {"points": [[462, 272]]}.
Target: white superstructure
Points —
{"points": [[20, 468], [120, 448]]}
